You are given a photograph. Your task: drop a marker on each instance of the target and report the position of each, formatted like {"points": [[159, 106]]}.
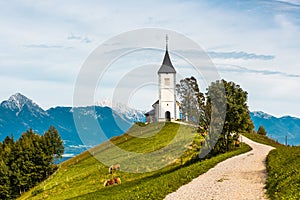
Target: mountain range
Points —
{"points": [[84, 127], [19, 113], [278, 128]]}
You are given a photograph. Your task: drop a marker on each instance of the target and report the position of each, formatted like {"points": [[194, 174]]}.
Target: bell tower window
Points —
{"points": [[167, 81]]}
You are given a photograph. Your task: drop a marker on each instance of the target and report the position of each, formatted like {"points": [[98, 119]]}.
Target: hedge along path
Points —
{"points": [[240, 177]]}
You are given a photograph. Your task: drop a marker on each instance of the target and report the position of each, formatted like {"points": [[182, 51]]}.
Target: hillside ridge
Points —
{"points": [[83, 176]]}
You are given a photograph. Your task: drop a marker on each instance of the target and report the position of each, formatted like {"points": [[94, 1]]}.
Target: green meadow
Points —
{"points": [[283, 167], [159, 158]]}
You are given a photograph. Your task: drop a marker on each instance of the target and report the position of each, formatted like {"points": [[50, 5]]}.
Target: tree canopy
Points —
{"points": [[237, 119], [191, 99], [27, 161], [222, 113]]}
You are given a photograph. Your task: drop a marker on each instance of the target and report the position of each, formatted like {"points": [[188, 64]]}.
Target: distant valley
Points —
{"points": [[19, 113]]}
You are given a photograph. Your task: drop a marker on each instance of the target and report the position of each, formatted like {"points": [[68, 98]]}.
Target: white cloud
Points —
{"points": [[239, 55], [43, 46], [44, 43], [242, 70]]}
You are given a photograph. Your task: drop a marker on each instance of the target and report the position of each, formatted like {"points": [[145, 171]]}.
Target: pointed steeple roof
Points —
{"points": [[167, 66]]}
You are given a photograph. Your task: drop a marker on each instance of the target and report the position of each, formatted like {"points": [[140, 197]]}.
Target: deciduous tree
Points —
{"points": [[191, 99], [237, 119]]}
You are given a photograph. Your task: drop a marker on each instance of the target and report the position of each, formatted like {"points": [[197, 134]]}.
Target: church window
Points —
{"points": [[167, 81]]}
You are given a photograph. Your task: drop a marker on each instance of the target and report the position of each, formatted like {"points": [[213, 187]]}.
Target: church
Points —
{"points": [[166, 108]]}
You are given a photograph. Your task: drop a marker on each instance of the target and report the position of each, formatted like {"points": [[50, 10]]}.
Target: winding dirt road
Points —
{"points": [[240, 177]]}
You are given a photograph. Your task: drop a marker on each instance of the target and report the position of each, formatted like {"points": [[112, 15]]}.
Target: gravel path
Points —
{"points": [[240, 177]]}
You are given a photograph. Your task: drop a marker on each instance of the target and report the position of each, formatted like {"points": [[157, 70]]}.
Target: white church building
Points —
{"points": [[166, 108]]}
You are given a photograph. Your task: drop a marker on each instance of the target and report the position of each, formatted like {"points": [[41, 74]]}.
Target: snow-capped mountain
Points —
{"points": [[18, 102], [261, 114], [278, 128], [127, 112], [19, 113]]}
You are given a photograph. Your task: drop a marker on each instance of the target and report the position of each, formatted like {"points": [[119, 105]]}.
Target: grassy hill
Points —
{"points": [[156, 160], [283, 166]]}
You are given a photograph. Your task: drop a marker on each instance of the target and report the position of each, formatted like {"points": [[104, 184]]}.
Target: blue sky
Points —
{"points": [[253, 43]]}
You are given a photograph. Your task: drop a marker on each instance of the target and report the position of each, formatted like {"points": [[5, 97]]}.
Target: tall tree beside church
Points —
{"points": [[191, 99], [215, 111], [237, 119]]}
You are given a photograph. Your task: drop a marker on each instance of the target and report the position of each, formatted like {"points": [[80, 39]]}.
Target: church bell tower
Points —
{"points": [[167, 86]]}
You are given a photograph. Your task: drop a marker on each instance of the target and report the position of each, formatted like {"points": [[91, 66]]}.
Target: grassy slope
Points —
{"points": [[161, 183], [83, 176], [283, 166]]}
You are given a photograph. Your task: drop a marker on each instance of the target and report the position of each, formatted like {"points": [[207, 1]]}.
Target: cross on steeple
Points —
{"points": [[167, 42]]}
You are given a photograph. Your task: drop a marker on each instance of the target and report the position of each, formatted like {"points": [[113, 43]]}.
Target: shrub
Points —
{"points": [[261, 130]]}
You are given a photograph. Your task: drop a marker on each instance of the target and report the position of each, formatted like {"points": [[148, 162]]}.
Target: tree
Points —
{"points": [[191, 99], [261, 130], [237, 113], [215, 111], [5, 189], [237, 119], [53, 144], [27, 161]]}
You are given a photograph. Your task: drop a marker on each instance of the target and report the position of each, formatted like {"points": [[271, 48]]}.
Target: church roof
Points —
{"points": [[167, 66], [156, 102], [151, 112]]}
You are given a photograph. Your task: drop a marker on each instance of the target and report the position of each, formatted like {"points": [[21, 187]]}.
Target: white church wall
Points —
{"points": [[167, 98]]}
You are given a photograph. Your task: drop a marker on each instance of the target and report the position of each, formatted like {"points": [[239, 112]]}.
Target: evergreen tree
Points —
{"points": [[26, 162], [53, 144], [261, 130], [5, 189]]}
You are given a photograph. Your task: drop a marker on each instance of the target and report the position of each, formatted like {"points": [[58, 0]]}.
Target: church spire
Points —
{"points": [[167, 66]]}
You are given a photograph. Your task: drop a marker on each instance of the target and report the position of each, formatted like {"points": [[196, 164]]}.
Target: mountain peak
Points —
{"points": [[262, 114], [18, 101]]}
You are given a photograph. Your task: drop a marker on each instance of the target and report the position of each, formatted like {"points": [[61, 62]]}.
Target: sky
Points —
{"points": [[256, 44]]}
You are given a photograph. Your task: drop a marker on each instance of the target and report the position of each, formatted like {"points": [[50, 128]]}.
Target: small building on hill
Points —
{"points": [[166, 108]]}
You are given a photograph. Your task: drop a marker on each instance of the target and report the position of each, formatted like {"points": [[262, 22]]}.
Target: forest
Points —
{"points": [[27, 161]]}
